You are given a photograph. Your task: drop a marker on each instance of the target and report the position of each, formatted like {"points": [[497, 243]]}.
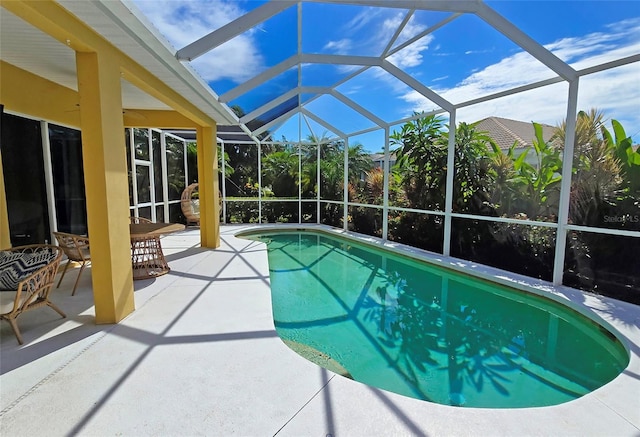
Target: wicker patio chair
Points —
{"points": [[27, 274], [190, 205], [76, 247]]}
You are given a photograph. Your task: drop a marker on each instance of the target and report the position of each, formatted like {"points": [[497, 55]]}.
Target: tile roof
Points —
{"points": [[505, 131], [380, 156]]}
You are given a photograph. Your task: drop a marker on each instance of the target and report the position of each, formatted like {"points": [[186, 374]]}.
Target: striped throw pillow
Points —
{"points": [[16, 266]]}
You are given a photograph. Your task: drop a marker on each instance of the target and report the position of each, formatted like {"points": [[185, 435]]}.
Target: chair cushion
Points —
{"points": [[16, 266], [7, 300]]}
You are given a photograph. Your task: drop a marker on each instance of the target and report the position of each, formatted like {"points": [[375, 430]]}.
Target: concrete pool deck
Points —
{"points": [[200, 356]]}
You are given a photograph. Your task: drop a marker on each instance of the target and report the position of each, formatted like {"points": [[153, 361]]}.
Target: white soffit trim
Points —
{"points": [[120, 23]]}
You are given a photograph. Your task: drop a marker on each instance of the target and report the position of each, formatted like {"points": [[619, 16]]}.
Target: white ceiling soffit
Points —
{"points": [[32, 50], [120, 24]]}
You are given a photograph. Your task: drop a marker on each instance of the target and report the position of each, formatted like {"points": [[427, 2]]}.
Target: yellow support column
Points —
{"points": [[106, 184], [208, 187], [5, 236]]}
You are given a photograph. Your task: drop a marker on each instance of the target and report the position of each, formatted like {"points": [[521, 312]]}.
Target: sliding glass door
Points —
{"points": [[24, 180]]}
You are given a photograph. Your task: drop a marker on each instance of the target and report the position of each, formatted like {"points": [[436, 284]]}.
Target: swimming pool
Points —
{"points": [[427, 332]]}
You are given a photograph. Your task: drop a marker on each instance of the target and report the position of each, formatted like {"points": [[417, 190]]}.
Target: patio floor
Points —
{"points": [[200, 356]]}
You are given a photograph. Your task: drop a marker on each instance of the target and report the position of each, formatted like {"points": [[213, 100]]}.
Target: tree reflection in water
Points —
{"points": [[477, 338], [436, 335]]}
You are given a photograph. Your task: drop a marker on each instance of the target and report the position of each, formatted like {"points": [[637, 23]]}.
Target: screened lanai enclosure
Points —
{"points": [[344, 119], [563, 207]]}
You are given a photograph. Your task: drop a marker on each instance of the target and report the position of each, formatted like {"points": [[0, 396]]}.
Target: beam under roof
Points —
{"points": [[469, 6], [368, 61], [362, 111], [323, 123], [259, 79]]}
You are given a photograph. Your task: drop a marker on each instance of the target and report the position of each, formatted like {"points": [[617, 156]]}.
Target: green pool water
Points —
{"points": [[427, 332]]}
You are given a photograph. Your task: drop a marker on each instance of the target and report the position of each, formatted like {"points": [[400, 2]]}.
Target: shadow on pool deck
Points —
{"points": [[200, 356]]}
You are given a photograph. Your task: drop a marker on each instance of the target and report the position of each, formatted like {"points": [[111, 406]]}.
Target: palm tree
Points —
{"points": [[588, 128], [359, 163], [502, 171], [596, 168], [471, 165], [280, 171], [332, 175], [309, 165], [375, 186]]}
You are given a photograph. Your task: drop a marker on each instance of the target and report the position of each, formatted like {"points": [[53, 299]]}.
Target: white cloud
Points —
{"points": [[363, 19], [410, 56], [237, 60], [374, 42], [353, 31], [369, 33], [597, 48], [437, 79], [477, 52], [616, 92], [183, 21], [340, 47], [407, 57], [411, 29]]}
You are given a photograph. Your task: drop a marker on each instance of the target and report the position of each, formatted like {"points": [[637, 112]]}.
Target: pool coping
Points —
{"points": [[597, 308], [558, 293]]}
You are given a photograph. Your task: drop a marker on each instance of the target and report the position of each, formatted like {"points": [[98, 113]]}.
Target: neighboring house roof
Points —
{"points": [[380, 156], [505, 132]]}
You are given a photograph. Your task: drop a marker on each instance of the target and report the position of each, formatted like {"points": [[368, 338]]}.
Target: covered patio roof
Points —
{"points": [[42, 54], [225, 133]]}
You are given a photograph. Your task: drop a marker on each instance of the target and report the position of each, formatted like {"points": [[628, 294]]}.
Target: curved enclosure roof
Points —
{"points": [[339, 68]]}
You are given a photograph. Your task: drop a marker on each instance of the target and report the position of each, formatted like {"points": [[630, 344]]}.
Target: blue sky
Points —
{"points": [[460, 61]]}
